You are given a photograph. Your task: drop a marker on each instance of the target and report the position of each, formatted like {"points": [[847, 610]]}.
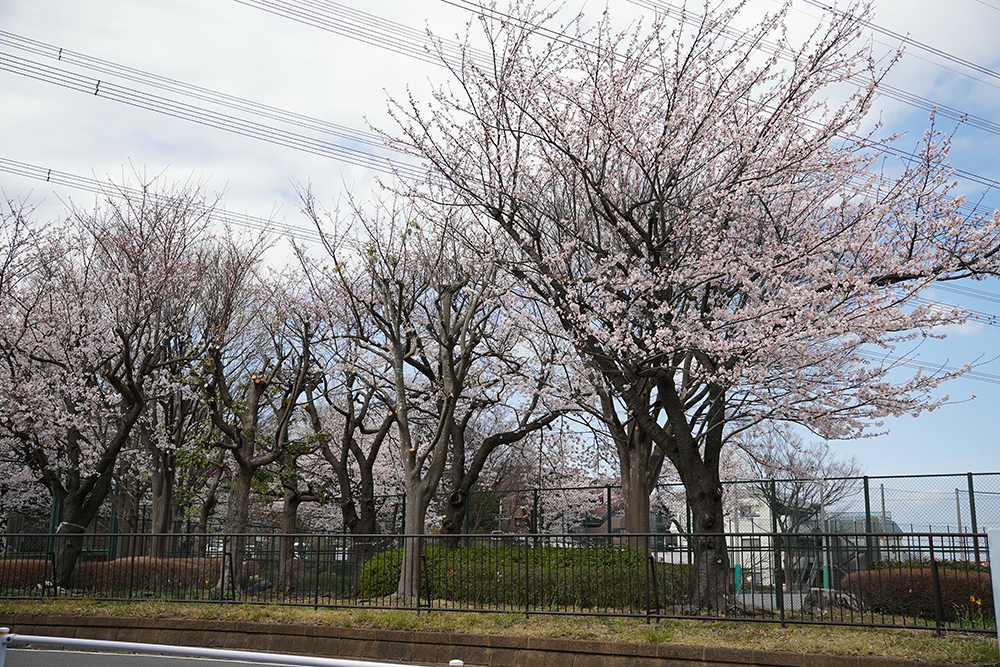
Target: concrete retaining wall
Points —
{"points": [[421, 648]]}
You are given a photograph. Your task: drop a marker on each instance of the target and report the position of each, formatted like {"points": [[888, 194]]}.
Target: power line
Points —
{"points": [[908, 40], [402, 39], [98, 187], [968, 291], [108, 90], [107, 67], [248, 128], [985, 318], [344, 21], [363, 27], [913, 362], [986, 4]]}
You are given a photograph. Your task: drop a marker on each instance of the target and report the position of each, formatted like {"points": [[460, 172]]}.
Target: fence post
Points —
{"points": [[420, 565], [772, 505], [936, 588], [609, 516], [232, 568], [318, 540], [426, 579], [50, 557], [534, 511], [526, 575], [656, 588], [972, 518], [131, 568], [868, 521], [779, 583]]}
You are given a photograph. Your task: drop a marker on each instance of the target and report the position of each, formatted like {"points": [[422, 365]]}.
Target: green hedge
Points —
{"points": [[557, 577]]}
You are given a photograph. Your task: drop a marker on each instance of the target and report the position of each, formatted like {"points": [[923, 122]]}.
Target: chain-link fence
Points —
{"points": [[966, 503], [958, 503]]}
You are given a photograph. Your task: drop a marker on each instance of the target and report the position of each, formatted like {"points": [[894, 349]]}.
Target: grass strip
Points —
{"points": [[954, 647]]}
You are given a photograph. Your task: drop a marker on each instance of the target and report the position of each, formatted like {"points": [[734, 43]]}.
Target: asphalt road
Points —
{"points": [[24, 657]]}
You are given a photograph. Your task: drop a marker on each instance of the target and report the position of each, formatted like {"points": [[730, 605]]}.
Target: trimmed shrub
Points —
{"points": [[380, 575], [21, 572], [597, 577], [145, 574], [908, 592]]}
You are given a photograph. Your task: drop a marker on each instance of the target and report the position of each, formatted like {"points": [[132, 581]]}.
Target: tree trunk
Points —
{"points": [[635, 491], [76, 510], [208, 507], [639, 462], [711, 577], [162, 493], [363, 528], [68, 545], [127, 508], [454, 518], [409, 576], [286, 549], [237, 511]]}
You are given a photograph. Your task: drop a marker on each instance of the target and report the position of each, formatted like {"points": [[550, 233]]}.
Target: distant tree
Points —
{"points": [[806, 479]]}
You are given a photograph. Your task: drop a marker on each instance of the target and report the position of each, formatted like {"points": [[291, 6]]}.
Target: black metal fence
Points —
{"points": [[912, 580]]}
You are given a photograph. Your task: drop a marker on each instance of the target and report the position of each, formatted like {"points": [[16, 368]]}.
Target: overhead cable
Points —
{"points": [[985, 295], [909, 41], [879, 145], [98, 187], [109, 90], [979, 316], [364, 27], [12, 40], [915, 362]]}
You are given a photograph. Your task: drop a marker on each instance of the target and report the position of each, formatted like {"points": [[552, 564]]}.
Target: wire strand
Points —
{"points": [[95, 186]]}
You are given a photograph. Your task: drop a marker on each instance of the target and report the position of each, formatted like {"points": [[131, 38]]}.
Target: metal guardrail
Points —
{"points": [[7, 637]]}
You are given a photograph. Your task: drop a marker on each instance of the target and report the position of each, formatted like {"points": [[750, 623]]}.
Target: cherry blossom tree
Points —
{"points": [[715, 239], [84, 341], [347, 406], [429, 311], [19, 259], [256, 374], [514, 393]]}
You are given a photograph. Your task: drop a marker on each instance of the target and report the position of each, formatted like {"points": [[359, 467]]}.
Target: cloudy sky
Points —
{"points": [[339, 63]]}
